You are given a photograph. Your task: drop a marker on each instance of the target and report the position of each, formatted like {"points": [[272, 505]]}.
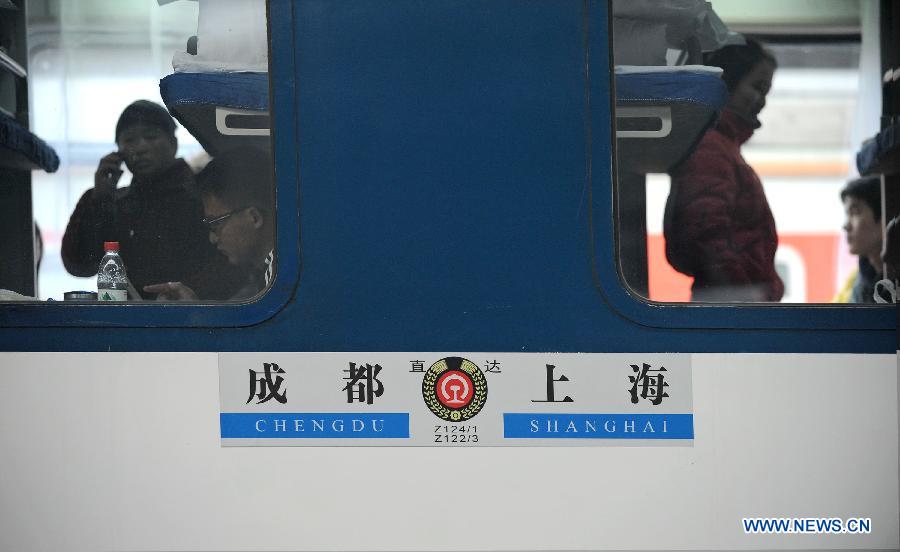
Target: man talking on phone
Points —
{"points": [[156, 219]]}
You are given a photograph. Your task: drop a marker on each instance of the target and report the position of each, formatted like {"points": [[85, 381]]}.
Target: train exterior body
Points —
{"points": [[445, 189]]}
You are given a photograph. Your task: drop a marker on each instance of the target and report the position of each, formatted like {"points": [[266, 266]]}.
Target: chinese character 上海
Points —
{"points": [[551, 387], [651, 386]]}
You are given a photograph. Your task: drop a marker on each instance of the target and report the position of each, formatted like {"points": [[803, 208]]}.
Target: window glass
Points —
{"points": [[129, 94], [735, 195]]}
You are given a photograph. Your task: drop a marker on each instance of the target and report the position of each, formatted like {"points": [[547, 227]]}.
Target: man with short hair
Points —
{"points": [[862, 207], [156, 219], [237, 189]]}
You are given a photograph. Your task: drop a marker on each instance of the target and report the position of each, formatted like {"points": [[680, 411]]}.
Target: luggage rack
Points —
{"points": [[221, 110], [21, 152], [661, 115], [20, 149]]}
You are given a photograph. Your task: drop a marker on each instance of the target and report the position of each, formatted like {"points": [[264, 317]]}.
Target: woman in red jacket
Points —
{"points": [[718, 225]]}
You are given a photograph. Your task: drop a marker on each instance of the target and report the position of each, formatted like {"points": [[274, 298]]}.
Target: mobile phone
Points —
{"points": [[116, 173]]}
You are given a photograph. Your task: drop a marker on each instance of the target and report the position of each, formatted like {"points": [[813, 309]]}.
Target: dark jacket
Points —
{"points": [[161, 237], [718, 225], [864, 285]]}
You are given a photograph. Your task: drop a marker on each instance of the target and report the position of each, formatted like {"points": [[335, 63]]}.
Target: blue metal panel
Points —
{"points": [[455, 193], [442, 145]]}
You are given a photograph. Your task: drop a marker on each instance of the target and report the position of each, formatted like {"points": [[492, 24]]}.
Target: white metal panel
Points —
{"points": [[121, 451]]}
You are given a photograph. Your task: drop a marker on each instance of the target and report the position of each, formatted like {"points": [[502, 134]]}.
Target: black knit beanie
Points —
{"points": [[147, 112]]}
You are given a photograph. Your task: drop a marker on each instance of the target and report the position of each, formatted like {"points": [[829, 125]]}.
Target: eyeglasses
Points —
{"points": [[214, 223]]}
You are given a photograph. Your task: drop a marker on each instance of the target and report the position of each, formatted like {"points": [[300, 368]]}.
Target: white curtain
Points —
{"points": [[867, 121]]}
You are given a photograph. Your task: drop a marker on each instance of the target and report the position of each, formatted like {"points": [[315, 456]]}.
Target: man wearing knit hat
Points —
{"points": [[156, 219]]}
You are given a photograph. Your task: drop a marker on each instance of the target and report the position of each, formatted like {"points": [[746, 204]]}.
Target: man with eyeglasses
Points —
{"points": [[237, 191], [155, 219]]}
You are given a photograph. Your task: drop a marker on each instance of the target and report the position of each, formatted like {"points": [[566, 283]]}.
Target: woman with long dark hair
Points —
{"points": [[718, 224]]}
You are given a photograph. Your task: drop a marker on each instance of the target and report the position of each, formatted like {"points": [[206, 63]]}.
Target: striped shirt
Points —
{"points": [[270, 268]]}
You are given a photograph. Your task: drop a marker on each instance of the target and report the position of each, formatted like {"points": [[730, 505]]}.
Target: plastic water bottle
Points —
{"points": [[112, 285]]}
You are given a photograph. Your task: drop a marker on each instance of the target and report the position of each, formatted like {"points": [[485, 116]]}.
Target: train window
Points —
{"points": [[159, 113], [735, 154]]}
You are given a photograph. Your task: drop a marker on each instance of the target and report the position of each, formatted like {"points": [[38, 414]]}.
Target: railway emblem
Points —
{"points": [[454, 389]]}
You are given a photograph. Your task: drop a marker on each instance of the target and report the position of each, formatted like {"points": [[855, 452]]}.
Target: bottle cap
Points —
{"points": [[111, 246], [80, 296]]}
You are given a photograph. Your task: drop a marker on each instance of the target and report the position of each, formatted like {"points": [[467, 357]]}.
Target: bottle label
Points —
{"points": [[112, 295]]}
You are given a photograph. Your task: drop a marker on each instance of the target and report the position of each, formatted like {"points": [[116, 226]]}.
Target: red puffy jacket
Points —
{"points": [[718, 225]]}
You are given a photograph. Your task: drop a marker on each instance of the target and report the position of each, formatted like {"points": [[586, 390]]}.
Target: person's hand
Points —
{"points": [[107, 176], [171, 291]]}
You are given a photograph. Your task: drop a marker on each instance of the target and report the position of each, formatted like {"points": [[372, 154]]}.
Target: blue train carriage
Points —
{"points": [[462, 263]]}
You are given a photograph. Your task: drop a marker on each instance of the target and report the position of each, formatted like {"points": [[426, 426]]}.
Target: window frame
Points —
{"points": [[282, 100], [605, 239]]}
